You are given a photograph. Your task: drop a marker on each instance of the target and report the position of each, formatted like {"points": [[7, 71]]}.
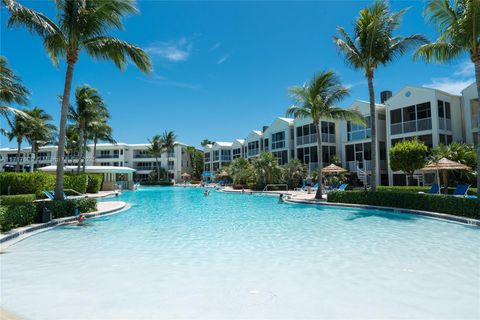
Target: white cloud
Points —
{"points": [[223, 59], [354, 84], [215, 46], [465, 69], [175, 51], [450, 85], [163, 81]]}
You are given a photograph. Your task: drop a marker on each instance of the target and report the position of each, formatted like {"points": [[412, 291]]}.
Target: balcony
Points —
{"points": [[411, 126], [144, 168], [365, 165], [108, 156], [445, 124], [312, 138], [277, 145], [226, 158], [359, 134], [476, 121], [253, 152], [142, 156]]}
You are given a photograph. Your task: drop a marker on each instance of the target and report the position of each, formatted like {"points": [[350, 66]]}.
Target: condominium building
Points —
{"points": [[134, 156], [430, 115]]}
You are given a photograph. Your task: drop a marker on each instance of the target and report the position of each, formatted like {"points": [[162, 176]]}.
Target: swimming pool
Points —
{"points": [[178, 254]]}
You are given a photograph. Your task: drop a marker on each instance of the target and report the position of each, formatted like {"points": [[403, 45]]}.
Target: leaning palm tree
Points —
{"points": [[156, 148], [372, 45], [100, 130], [89, 106], [81, 25], [168, 138], [40, 130], [11, 90], [459, 26], [316, 100]]}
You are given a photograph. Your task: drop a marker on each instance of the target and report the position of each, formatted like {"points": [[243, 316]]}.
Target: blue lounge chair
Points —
{"points": [[315, 187], [461, 190], [342, 187], [49, 195], [434, 189], [303, 188]]}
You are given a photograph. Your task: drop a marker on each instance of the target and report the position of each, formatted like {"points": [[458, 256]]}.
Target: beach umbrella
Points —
{"points": [[185, 175], [333, 168], [444, 165], [223, 174]]}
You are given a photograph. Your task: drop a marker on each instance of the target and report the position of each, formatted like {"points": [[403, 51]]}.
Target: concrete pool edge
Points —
{"points": [[429, 214], [18, 234]]}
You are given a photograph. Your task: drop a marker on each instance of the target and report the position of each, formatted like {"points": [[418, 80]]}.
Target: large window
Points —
{"points": [[226, 155], [357, 131], [207, 157], [444, 116], [282, 156], [411, 119], [216, 155], [253, 148], [278, 140], [237, 153]]}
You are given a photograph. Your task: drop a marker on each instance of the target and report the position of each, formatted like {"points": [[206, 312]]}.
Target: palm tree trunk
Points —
{"points": [[94, 150], [80, 148], [373, 126], [158, 169], [62, 131], [17, 166], [477, 77], [84, 154], [319, 193]]}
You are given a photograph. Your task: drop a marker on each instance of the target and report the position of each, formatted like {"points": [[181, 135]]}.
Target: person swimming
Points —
{"points": [[206, 192], [280, 199]]}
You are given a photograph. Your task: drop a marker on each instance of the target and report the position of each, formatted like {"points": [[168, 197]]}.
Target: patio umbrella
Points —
{"points": [[223, 174], [185, 175], [444, 165], [333, 168]]}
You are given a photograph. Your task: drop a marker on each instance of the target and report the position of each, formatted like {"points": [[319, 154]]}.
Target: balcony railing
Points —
{"points": [[142, 156], [411, 126], [277, 145], [359, 134], [365, 165], [144, 167], [226, 158], [476, 121], [312, 138], [107, 156], [445, 124], [253, 152]]}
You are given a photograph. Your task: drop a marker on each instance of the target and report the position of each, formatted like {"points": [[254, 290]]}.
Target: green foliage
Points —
{"points": [[157, 175], [458, 206], [460, 152], [26, 183], [415, 189], [19, 198], [157, 183], [94, 183], [77, 182], [66, 208], [265, 170], [13, 216], [293, 173], [241, 171], [408, 156]]}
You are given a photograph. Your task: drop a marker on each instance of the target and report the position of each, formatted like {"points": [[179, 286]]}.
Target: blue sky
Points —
{"points": [[221, 68]]}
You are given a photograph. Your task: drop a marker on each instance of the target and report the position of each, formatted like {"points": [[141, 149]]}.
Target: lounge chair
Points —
{"points": [[315, 187], [461, 190], [434, 189], [49, 195], [303, 188], [342, 187]]}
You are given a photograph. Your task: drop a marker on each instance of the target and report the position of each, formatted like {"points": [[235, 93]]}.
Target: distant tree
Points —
{"points": [[458, 23], [205, 142], [372, 45], [408, 156], [196, 160], [40, 131], [294, 172], [266, 170], [82, 26], [71, 143], [240, 170], [316, 100], [156, 148], [169, 140], [11, 90], [100, 130], [19, 128]]}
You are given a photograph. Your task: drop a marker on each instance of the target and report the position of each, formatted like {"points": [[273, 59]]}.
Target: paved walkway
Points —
{"points": [[297, 195], [5, 315]]}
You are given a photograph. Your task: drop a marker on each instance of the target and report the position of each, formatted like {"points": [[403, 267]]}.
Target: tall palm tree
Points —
{"points": [[40, 131], [100, 130], [71, 145], [316, 100], [205, 142], [19, 128], [168, 138], [156, 148], [89, 106], [81, 25], [11, 90], [459, 26], [372, 45]]}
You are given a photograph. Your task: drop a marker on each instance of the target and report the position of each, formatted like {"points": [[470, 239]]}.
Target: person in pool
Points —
{"points": [[81, 218], [206, 192]]}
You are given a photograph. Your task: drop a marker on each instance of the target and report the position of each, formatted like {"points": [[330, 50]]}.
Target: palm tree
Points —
{"points": [[459, 26], [206, 142], [81, 25], [71, 145], [372, 45], [316, 100], [89, 106], [168, 138], [40, 131], [19, 128], [11, 90], [100, 130], [156, 148]]}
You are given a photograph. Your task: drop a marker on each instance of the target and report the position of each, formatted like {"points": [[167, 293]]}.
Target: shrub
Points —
{"points": [[195, 182], [458, 206], [408, 156], [66, 208], [77, 182], [14, 216], [26, 183], [157, 183], [94, 183], [413, 189], [19, 198]]}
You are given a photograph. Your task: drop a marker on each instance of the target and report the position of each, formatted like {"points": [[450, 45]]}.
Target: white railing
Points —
{"points": [[253, 152], [476, 121], [312, 138], [365, 165], [445, 124], [411, 126]]}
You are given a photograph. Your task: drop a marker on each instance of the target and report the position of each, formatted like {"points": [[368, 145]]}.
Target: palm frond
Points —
{"points": [[438, 51]]}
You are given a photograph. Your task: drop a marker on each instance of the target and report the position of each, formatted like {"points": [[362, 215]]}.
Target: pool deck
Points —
{"points": [[15, 235], [6, 315]]}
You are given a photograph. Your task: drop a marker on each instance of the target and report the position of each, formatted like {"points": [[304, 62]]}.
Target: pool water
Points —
{"points": [[178, 254]]}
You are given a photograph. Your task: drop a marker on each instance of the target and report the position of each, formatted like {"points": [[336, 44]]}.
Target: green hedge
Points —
{"points": [[94, 183], [19, 198], [458, 206], [26, 183], [156, 183], [412, 189], [77, 182], [14, 216], [66, 208]]}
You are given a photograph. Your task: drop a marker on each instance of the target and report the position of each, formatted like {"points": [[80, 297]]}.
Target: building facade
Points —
{"points": [[134, 156], [430, 115]]}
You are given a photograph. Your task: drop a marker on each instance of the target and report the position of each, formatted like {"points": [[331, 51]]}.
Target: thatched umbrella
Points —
{"points": [[333, 168], [223, 174], [185, 176], [444, 165]]}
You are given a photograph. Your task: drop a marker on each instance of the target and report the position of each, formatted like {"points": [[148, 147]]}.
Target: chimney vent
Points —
{"points": [[264, 128], [385, 95]]}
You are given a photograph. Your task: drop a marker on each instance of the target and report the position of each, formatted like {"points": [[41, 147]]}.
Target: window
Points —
{"points": [[207, 156], [265, 144], [237, 153], [409, 114], [226, 155], [441, 114], [253, 148], [396, 116], [282, 157], [216, 155], [423, 110], [278, 140], [350, 152], [447, 111]]}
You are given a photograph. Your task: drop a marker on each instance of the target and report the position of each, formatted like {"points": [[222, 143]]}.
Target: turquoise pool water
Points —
{"points": [[178, 254]]}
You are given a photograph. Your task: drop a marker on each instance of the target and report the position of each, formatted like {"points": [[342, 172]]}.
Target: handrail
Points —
{"points": [[273, 184]]}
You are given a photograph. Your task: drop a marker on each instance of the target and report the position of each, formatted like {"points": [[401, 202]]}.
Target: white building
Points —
{"points": [[471, 114], [279, 138], [237, 148], [134, 156], [253, 144], [221, 155]]}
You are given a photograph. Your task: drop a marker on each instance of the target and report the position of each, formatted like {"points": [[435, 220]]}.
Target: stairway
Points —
{"points": [[362, 176]]}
